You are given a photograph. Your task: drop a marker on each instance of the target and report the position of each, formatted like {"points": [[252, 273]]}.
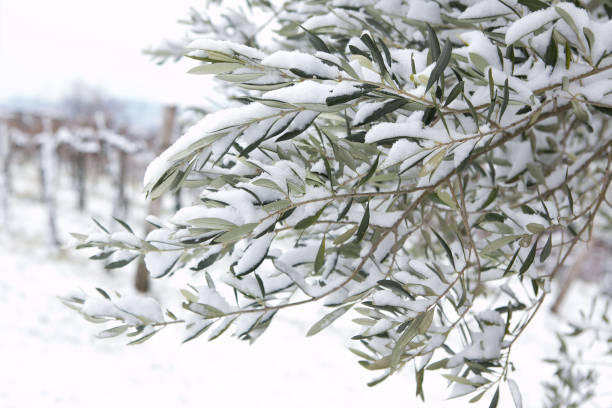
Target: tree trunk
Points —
{"points": [[142, 275]]}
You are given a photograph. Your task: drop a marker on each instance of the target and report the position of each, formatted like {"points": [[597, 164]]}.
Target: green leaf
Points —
{"points": [[546, 250], [500, 242], [103, 293], [345, 209], [239, 78], [434, 44], [552, 53], [479, 62], [124, 225], [432, 162], [112, 332], [394, 286], [568, 60], [441, 64], [370, 172], [266, 87], [386, 51], [212, 223], [386, 108], [143, 338], [569, 198], [215, 68], [295, 188], [579, 112], [507, 271], [367, 40], [276, 206], [297, 130], [200, 144], [426, 322], [378, 380], [527, 209], [438, 364], [328, 319], [447, 249], [495, 399], [536, 171], [491, 86], [256, 260], [315, 40], [529, 260], [262, 288], [504, 104], [457, 379], [493, 217], [308, 221], [100, 225], [236, 234], [266, 183], [218, 56], [363, 225], [199, 332], [120, 263], [322, 107], [339, 99], [477, 397], [602, 109], [209, 281], [406, 337], [211, 311], [273, 103], [490, 198], [569, 20], [534, 5], [379, 364], [472, 110], [446, 199], [205, 262], [589, 35], [80, 237], [360, 353], [456, 91], [420, 376], [164, 183], [535, 228], [320, 258], [516, 393], [102, 255], [189, 295], [345, 236]]}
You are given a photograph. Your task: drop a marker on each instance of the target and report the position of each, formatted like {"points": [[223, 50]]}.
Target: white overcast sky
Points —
{"points": [[47, 45]]}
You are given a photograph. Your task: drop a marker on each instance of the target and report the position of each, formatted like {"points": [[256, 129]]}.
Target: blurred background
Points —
{"points": [[83, 110]]}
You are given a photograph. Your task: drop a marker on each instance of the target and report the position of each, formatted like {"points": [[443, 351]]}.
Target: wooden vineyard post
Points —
{"points": [[80, 165], [142, 275], [48, 165], [5, 144]]}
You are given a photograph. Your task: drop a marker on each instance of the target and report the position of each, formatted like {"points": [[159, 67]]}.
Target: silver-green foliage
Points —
{"points": [[427, 166]]}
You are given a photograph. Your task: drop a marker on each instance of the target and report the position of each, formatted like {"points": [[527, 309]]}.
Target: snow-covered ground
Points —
{"points": [[51, 357]]}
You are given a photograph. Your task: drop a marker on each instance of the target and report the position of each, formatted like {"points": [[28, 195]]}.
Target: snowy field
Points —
{"points": [[51, 357]]}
